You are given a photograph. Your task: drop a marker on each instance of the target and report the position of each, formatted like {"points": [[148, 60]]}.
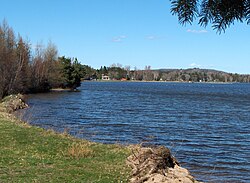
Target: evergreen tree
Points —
{"points": [[221, 13], [72, 72]]}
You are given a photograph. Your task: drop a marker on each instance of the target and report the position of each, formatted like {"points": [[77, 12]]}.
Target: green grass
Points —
{"points": [[31, 154]]}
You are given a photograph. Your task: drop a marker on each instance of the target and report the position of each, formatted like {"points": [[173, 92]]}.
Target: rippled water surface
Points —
{"points": [[207, 126]]}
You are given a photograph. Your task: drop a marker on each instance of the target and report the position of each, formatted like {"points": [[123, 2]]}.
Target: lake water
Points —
{"points": [[206, 126]]}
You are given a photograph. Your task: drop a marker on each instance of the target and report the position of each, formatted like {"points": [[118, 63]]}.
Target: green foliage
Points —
{"points": [[102, 71], [114, 72], [117, 73], [187, 10], [221, 13], [89, 73], [72, 72]]}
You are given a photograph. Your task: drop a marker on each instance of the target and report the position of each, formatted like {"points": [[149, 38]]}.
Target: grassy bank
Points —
{"points": [[31, 154]]}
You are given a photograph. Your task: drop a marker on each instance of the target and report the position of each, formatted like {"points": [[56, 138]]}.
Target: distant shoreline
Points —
{"points": [[59, 90], [142, 81]]}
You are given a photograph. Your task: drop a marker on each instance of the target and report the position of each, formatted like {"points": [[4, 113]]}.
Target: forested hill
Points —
{"points": [[200, 75], [194, 75], [191, 70]]}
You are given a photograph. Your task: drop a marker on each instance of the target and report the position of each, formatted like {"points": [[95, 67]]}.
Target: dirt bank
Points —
{"points": [[156, 165]]}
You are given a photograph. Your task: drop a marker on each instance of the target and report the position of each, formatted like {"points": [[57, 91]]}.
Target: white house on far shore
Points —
{"points": [[104, 77]]}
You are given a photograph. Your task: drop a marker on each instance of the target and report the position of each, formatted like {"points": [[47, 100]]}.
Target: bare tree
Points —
{"points": [[147, 74], [21, 72], [39, 81], [52, 66], [7, 59]]}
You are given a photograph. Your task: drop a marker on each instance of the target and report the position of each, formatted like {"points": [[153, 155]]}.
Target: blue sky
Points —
{"points": [[129, 32]]}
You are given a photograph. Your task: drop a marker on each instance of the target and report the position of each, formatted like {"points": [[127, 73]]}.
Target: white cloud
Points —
{"points": [[119, 38], [197, 31], [194, 65], [116, 39], [123, 36], [153, 37]]}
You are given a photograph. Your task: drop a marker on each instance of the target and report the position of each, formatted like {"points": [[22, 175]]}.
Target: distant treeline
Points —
{"points": [[27, 70], [117, 72]]}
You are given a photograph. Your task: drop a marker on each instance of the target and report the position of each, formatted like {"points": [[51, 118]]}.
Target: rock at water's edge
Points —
{"points": [[156, 165], [12, 103]]}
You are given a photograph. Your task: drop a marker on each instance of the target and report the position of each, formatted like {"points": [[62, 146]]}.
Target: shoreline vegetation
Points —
{"points": [[26, 69], [117, 72], [30, 153], [144, 81]]}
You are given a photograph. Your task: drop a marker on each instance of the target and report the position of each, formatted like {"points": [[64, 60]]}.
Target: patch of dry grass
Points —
{"points": [[80, 150]]}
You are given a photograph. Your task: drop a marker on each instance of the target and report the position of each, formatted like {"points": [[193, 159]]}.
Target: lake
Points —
{"points": [[206, 126]]}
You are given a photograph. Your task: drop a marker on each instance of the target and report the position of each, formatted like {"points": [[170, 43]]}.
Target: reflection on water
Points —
{"points": [[207, 126]]}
